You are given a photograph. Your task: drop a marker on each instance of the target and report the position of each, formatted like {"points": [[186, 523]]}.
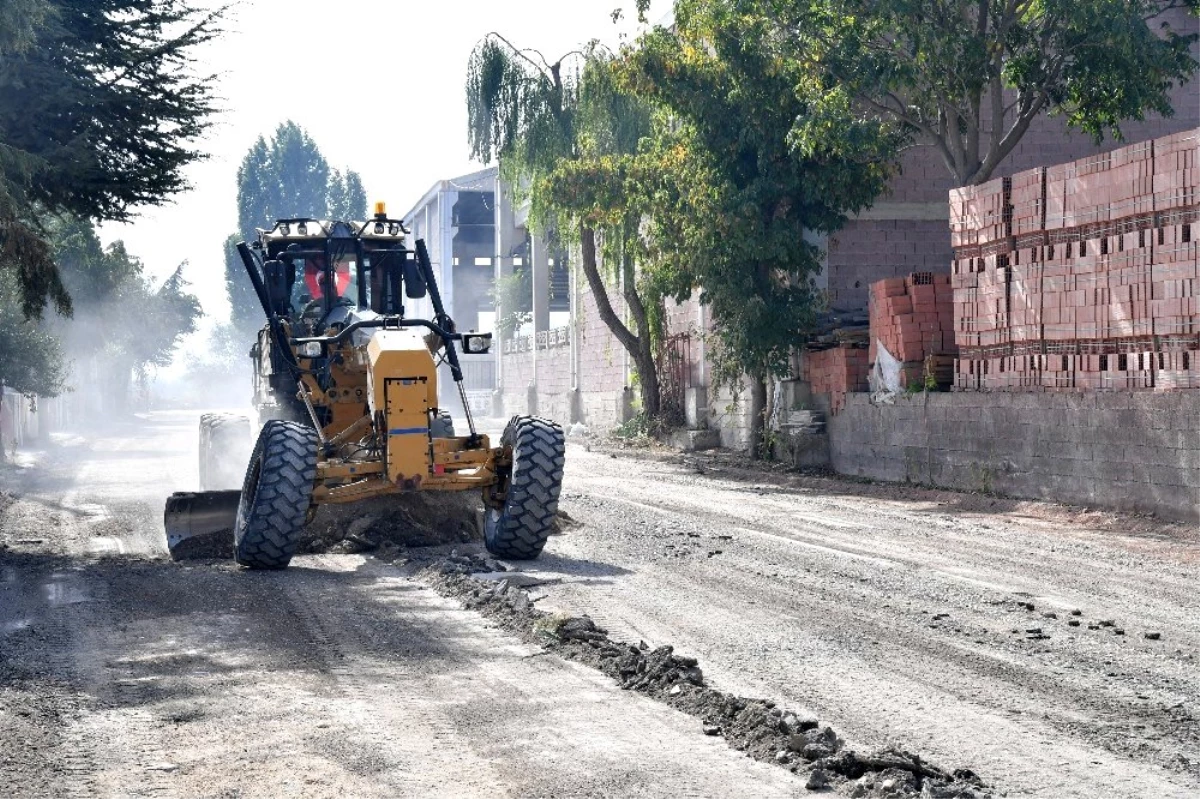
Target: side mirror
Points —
{"points": [[414, 283], [476, 343], [276, 275]]}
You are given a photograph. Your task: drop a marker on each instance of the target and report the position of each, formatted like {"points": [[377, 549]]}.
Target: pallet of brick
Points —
{"points": [[981, 314], [1028, 202], [836, 371], [1176, 178], [980, 214], [1175, 279], [1127, 371], [912, 317], [1100, 188], [1178, 370], [1025, 296]]}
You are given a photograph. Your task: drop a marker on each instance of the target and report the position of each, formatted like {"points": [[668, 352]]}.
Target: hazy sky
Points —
{"points": [[379, 86]]}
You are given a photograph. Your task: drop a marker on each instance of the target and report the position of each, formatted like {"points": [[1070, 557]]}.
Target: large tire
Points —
{"points": [[442, 425], [519, 530], [225, 442], [275, 495]]}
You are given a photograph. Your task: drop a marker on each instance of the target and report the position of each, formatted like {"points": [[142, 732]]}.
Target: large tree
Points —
{"points": [[549, 125], [99, 108], [283, 177], [968, 77], [733, 202]]}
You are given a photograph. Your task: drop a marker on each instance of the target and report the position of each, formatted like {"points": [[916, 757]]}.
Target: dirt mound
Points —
{"points": [[757, 727], [427, 518]]}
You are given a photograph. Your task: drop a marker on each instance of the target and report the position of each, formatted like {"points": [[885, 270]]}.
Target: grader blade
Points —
{"points": [[199, 524]]}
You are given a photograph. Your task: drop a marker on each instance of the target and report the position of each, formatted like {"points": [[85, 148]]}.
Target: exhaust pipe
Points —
{"points": [[199, 524]]}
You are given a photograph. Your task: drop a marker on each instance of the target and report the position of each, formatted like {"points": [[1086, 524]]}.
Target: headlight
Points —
{"points": [[311, 349]]}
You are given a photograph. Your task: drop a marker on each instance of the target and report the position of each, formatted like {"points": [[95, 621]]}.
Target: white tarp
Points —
{"points": [[884, 380]]}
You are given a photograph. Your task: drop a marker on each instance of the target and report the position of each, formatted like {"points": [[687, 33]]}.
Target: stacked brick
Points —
{"points": [[836, 372], [1093, 281], [913, 318]]}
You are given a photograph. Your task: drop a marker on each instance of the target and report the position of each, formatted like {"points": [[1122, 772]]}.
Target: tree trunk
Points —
{"points": [[648, 373], [639, 347], [758, 411]]}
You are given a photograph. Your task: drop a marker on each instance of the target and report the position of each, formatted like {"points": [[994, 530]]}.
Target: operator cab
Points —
{"points": [[329, 270]]}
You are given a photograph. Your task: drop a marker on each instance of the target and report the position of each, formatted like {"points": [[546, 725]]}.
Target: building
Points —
{"points": [[477, 241]]}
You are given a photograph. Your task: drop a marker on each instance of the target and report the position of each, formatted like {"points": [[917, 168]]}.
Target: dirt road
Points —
{"points": [[895, 615], [940, 621], [124, 675]]}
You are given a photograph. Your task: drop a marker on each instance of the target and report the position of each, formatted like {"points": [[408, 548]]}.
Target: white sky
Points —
{"points": [[378, 85]]}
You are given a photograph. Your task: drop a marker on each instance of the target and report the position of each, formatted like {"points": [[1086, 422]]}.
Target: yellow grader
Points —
{"points": [[347, 384]]}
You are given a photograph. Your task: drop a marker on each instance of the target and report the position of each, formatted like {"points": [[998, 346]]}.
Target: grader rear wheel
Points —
{"points": [[275, 495], [519, 530], [224, 448]]}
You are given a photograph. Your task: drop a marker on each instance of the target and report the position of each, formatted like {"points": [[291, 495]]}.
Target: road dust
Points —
{"points": [[756, 727]]}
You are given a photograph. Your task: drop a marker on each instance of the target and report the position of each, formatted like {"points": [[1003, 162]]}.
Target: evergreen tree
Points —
{"points": [[99, 107]]}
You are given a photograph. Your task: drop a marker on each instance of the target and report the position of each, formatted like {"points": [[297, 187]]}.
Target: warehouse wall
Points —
{"points": [[1120, 450]]}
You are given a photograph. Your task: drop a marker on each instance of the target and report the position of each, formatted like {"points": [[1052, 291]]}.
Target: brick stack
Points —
{"points": [[1096, 284], [913, 317], [836, 372], [980, 214]]}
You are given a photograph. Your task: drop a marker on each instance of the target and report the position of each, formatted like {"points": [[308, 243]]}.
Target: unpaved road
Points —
{"points": [[124, 675], [908, 616], [888, 613]]}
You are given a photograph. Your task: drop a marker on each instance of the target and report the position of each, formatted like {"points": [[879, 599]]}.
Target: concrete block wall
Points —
{"points": [[1120, 450]]}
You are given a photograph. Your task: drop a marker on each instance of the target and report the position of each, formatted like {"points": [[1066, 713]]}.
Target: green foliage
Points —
{"points": [[543, 120], [732, 201], [521, 109], [513, 294], [284, 178], [287, 177], [969, 76], [98, 108], [347, 197], [31, 358]]}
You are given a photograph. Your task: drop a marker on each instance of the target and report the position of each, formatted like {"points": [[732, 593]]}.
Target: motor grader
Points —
{"points": [[346, 393]]}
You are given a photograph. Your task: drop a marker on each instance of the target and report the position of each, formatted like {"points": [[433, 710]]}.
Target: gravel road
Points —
{"points": [[1009, 637], [938, 622], [125, 675]]}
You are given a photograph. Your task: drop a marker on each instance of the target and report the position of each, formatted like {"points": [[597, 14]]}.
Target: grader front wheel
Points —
{"points": [[275, 495], [518, 530]]}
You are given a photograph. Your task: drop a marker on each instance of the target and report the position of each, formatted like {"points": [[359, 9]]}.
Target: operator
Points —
{"points": [[314, 277]]}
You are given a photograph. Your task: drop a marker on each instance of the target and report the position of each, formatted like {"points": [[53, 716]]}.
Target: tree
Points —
{"points": [[732, 201], [284, 178], [968, 77], [548, 123], [31, 358], [99, 107], [347, 197]]}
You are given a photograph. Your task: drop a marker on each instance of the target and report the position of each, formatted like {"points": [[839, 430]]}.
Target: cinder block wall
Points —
{"points": [[1123, 451]]}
